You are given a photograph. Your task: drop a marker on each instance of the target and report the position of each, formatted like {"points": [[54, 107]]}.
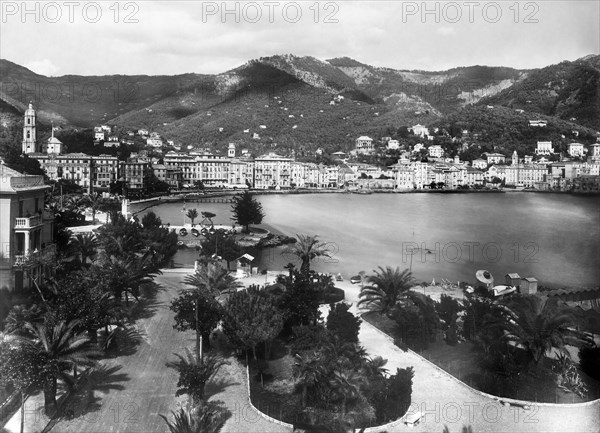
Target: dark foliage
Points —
{"points": [[342, 323]]}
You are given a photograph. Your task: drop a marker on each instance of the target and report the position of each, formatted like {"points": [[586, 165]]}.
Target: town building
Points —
{"points": [[495, 158], [576, 150], [479, 163], [364, 145], [594, 155], [26, 229], [272, 171], [419, 130], [393, 145], [435, 151], [544, 148], [538, 123]]}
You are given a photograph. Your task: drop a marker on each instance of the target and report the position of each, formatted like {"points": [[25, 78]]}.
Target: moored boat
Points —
{"points": [[195, 232], [183, 232]]}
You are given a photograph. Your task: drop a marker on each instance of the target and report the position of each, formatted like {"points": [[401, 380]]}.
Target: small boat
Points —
{"points": [[356, 279], [183, 232], [195, 232], [180, 243], [339, 277], [204, 232]]}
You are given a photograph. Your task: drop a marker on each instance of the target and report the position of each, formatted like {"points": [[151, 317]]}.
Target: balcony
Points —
{"points": [[28, 222], [34, 257]]}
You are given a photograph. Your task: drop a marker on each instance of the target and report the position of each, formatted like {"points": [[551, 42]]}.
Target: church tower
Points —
{"points": [[29, 138], [515, 158]]}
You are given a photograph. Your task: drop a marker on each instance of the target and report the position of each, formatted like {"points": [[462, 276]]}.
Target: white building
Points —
{"points": [[576, 150], [364, 145], [393, 145], [435, 151], [420, 130], [479, 163], [544, 148], [272, 171]]}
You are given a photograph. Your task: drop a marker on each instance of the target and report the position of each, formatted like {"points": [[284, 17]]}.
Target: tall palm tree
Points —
{"points": [[128, 274], [306, 249], [94, 201], [192, 214], [346, 384], [308, 371], [59, 349], [536, 324], [85, 245], [206, 418], [194, 374], [212, 281], [386, 288]]}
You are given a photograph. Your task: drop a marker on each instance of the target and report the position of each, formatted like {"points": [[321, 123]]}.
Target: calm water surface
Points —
{"points": [[552, 237]]}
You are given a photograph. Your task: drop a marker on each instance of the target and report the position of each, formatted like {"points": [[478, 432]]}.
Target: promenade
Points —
{"points": [[135, 387]]}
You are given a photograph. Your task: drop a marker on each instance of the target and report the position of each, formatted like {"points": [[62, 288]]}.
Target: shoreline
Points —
{"points": [[179, 197]]}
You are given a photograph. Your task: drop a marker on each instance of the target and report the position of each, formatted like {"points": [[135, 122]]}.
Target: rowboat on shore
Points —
{"points": [[182, 232], [195, 232]]}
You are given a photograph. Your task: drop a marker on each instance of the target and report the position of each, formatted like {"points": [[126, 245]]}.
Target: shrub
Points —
{"points": [[308, 337], [589, 361], [343, 323], [399, 391]]}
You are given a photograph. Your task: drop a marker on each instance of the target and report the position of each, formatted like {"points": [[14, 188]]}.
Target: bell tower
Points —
{"points": [[29, 137]]}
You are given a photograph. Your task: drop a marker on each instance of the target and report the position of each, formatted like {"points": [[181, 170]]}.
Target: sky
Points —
{"points": [[174, 37]]}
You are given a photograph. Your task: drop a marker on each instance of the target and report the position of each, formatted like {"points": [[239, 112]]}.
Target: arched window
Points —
{"points": [[28, 134]]}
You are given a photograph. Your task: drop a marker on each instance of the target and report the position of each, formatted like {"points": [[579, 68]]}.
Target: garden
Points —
{"points": [[525, 347]]}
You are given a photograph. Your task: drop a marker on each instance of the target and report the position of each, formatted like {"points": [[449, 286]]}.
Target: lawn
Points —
{"points": [[463, 362]]}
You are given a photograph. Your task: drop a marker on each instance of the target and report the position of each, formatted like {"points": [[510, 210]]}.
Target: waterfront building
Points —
{"points": [[272, 171], [241, 173], [135, 172], [26, 229], [587, 183]]}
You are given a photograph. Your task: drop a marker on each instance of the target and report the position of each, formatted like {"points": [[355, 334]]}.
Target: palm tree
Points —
{"points": [[129, 274], [194, 374], [346, 384], [85, 245], [376, 367], [205, 418], [537, 324], [306, 249], [192, 214], [207, 219], [386, 288], [308, 371], [212, 281], [94, 201], [59, 349]]}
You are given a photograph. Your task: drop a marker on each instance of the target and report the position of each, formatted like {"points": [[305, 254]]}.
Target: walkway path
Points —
{"points": [[136, 387]]}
